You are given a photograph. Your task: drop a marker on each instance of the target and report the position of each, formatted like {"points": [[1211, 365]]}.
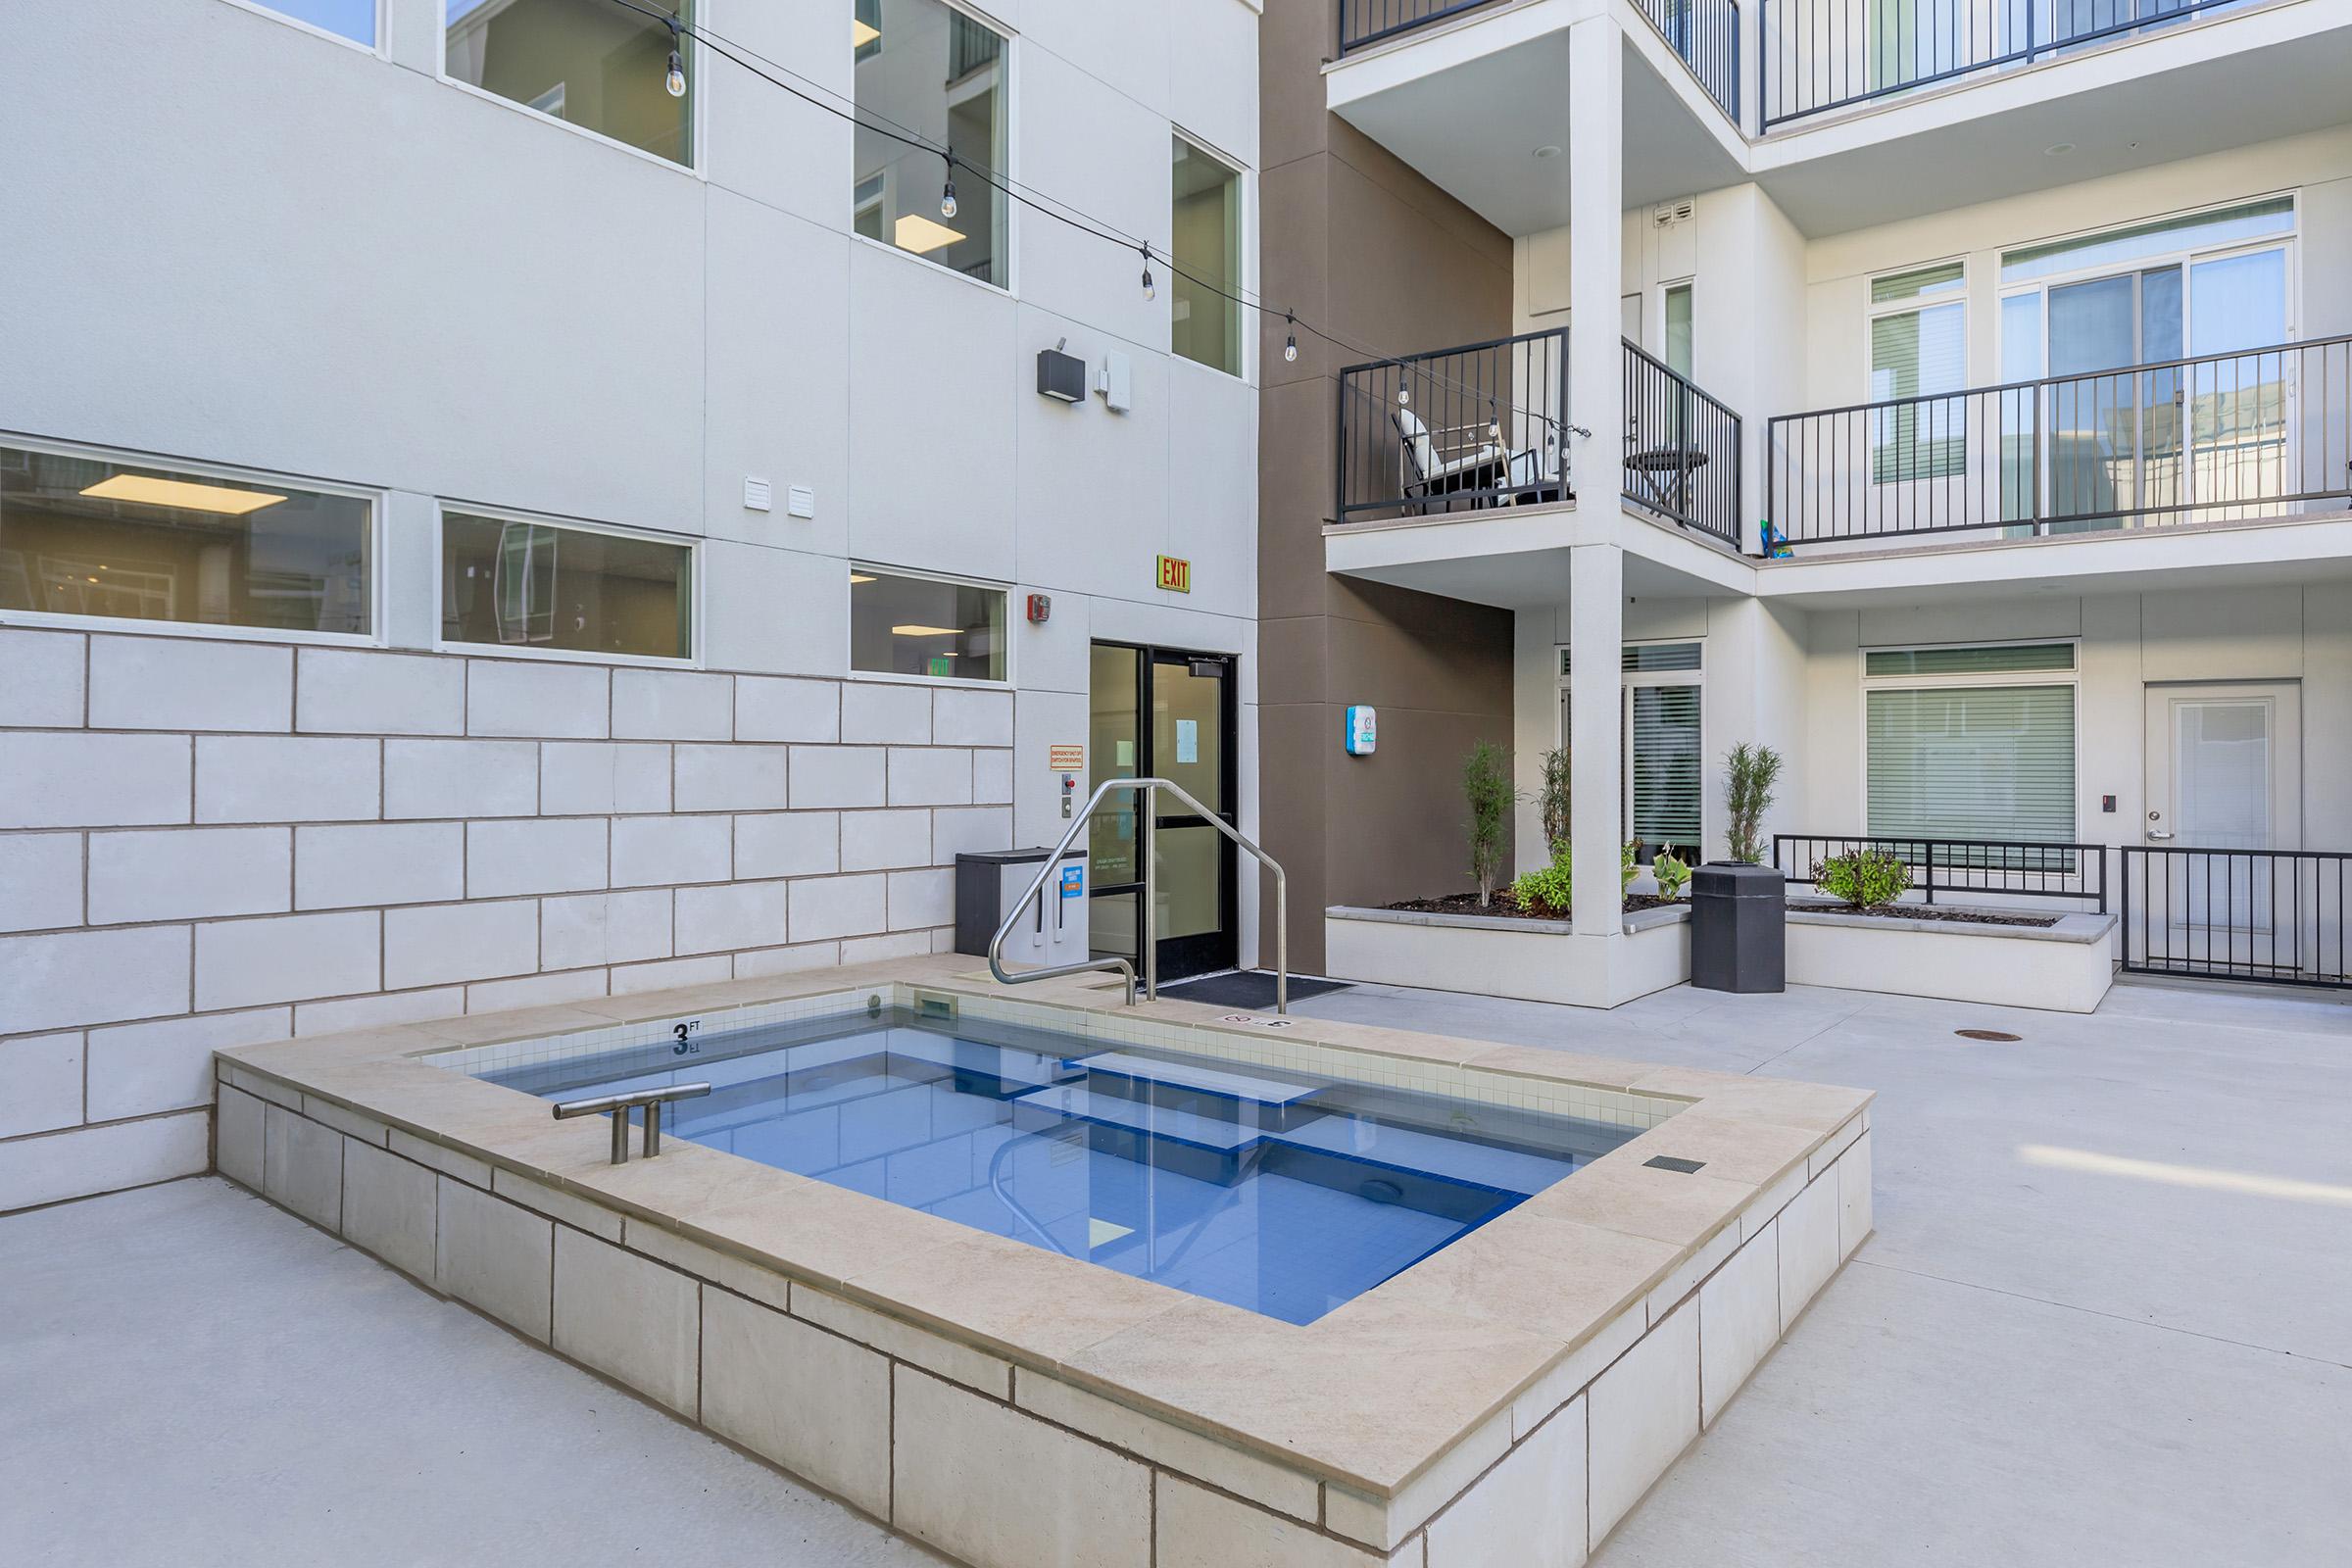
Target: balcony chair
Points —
{"points": [[1434, 471]]}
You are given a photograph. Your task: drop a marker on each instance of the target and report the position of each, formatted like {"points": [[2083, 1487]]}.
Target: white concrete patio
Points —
{"points": [[2045, 1355]]}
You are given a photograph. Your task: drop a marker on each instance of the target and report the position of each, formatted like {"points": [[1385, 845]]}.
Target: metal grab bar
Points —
{"points": [[653, 1100], [1147, 789]]}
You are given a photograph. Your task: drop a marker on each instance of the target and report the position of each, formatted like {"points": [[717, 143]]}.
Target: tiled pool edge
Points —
{"points": [[1561, 1460]]}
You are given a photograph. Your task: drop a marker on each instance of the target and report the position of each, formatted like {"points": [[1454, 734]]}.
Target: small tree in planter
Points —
{"points": [[1487, 787], [1864, 879], [1747, 796], [1552, 798]]}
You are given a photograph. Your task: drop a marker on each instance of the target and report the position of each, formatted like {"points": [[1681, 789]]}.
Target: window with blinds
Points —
{"points": [[1972, 763], [1919, 350], [1664, 758], [2010, 659]]}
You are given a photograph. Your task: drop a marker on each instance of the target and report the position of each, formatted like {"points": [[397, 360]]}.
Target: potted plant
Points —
{"points": [[1752, 772]]}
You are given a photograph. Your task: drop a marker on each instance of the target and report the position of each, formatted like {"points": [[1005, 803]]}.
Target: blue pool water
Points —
{"points": [[1276, 1191]]}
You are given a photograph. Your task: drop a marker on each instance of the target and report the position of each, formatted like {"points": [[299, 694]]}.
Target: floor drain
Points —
{"points": [[1675, 1162], [1988, 1034]]}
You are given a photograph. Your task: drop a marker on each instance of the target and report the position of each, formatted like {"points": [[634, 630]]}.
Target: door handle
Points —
{"points": [[2158, 833]]}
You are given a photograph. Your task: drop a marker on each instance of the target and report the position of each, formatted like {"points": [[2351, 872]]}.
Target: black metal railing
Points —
{"points": [[2217, 438], [1682, 449], [1819, 54], [1706, 34], [1456, 430], [2237, 914], [1369, 21], [2015, 867]]}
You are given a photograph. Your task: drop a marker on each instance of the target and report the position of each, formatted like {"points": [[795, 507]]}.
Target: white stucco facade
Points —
{"points": [[244, 244]]}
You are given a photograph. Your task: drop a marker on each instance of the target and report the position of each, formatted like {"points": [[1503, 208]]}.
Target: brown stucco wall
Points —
{"points": [[1358, 242]]}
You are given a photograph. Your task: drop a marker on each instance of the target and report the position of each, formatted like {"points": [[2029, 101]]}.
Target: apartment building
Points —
{"points": [[509, 501], [1956, 398]]}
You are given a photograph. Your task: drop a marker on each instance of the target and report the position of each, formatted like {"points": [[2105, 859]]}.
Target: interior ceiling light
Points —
{"points": [[1548, 151], [921, 234], [862, 34], [861, 576], [147, 491], [926, 631], [2058, 149]]}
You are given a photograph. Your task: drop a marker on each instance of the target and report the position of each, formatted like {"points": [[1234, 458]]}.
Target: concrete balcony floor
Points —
{"points": [[2045, 1356]]}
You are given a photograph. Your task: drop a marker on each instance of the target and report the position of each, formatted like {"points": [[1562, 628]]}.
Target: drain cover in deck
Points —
{"points": [[1989, 1034]]}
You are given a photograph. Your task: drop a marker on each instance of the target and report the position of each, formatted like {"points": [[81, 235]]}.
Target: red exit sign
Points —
{"points": [[1175, 575]]}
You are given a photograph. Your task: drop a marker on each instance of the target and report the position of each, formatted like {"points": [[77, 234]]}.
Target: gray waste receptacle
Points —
{"points": [[1055, 929], [1739, 928]]}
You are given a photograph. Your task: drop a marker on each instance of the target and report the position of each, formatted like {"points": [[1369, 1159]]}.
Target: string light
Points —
{"points": [[1061, 211], [947, 197], [1290, 340]]}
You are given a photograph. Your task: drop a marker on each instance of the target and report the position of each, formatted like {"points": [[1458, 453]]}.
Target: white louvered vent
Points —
{"points": [[1668, 213]]}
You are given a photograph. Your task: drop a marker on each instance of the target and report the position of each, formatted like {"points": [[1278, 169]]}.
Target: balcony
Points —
{"points": [[1483, 426], [1826, 55], [1705, 34], [2255, 433]]}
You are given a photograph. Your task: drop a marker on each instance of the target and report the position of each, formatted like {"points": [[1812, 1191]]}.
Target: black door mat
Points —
{"points": [[1246, 988]]}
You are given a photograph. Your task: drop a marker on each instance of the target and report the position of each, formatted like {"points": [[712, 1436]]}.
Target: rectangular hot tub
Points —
{"points": [[1040, 1279], [1271, 1189]]}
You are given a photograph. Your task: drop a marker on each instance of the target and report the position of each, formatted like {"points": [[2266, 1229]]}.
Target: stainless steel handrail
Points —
{"points": [[653, 1100], [1147, 789]]}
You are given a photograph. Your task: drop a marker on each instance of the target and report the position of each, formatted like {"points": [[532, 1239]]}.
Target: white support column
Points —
{"points": [[1595, 735], [1596, 256]]}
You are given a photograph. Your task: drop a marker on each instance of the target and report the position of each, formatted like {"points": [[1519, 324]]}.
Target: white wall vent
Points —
{"points": [[1668, 213], [757, 493], [800, 501]]}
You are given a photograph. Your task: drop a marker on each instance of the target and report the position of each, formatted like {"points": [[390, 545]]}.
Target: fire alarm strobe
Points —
{"points": [[1041, 605]]}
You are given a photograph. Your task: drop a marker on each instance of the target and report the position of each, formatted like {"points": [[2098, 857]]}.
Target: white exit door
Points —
{"points": [[2224, 774]]}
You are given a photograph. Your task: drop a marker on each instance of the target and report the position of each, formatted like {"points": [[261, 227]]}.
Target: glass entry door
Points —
{"points": [[1165, 713]]}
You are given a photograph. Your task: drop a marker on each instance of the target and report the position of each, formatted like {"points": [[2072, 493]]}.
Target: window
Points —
{"points": [[933, 627], [937, 75], [345, 18], [95, 536], [587, 62], [1205, 325], [1679, 341], [1917, 349], [1957, 747], [1664, 794], [512, 582]]}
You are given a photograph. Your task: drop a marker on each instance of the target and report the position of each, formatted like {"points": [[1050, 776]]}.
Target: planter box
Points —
{"points": [[2065, 967], [1532, 960]]}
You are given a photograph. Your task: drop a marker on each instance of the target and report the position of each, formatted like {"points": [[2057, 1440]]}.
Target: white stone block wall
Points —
{"points": [[208, 844]]}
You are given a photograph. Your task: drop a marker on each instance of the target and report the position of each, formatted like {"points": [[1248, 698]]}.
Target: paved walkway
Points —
{"points": [[2106, 1319], [2107, 1314], [189, 1376]]}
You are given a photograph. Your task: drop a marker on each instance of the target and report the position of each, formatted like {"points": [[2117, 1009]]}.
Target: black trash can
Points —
{"points": [[1739, 928]]}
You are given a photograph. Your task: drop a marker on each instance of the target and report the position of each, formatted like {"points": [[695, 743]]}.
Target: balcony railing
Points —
{"points": [[2218, 438], [1363, 22], [1456, 430], [1706, 34], [1682, 449], [1819, 54], [2278, 916]]}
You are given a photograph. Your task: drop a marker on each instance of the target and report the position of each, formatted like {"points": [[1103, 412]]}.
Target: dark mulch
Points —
{"points": [[1930, 912], [1507, 907]]}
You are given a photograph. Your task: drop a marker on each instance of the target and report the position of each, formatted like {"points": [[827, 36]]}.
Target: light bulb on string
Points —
{"points": [[1150, 292], [1289, 341], [947, 197], [675, 81]]}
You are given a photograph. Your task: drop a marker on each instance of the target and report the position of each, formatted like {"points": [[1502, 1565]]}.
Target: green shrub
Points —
{"points": [[1867, 879], [1545, 893], [1747, 796], [1551, 798], [1672, 873], [1487, 787]]}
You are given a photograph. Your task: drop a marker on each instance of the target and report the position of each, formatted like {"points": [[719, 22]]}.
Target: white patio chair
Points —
{"points": [[1433, 468]]}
